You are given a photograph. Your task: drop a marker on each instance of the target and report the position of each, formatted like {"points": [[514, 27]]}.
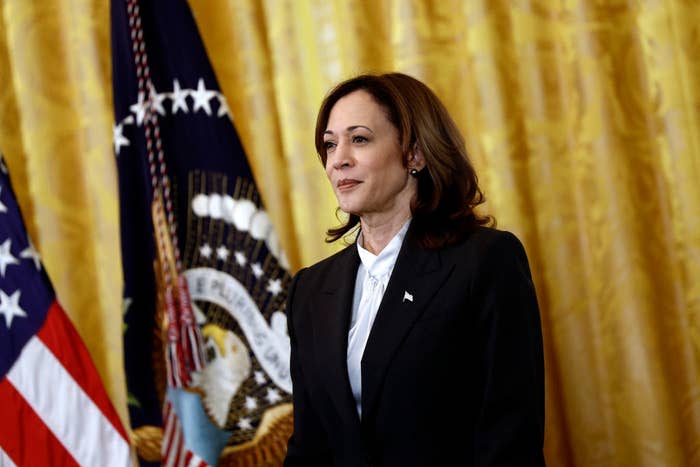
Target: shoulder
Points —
{"points": [[325, 271], [326, 275], [486, 243], [345, 254], [488, 254], [325, 266]]}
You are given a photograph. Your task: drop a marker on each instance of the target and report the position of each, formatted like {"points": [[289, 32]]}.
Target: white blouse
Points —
{"points": [[372, 278]]}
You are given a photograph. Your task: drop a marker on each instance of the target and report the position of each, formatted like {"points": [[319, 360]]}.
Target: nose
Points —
{"points": [[340, 157]]}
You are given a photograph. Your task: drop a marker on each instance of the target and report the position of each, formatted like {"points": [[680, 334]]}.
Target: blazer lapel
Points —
{"points": [[333, 310], [416, 278]]}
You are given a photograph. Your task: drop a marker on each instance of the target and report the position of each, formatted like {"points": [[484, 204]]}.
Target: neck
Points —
{"points": [[378, 232]]}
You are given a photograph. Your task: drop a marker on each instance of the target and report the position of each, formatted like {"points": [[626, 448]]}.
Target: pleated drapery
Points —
{"points": [[582, 118]]}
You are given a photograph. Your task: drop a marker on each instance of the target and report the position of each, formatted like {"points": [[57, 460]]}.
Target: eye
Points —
{"points": [[328, 145], [359, 139]]}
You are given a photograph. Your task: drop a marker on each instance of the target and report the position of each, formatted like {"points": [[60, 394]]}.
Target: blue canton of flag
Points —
{"points": [[198, 251], [49, 387], [21, 277]]}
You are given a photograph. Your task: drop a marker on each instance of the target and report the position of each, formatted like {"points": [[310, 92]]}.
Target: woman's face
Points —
{"points": [[364, 163]]}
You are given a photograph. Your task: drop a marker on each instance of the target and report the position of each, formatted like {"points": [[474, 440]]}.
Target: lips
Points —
{"points": [[347, 183]]}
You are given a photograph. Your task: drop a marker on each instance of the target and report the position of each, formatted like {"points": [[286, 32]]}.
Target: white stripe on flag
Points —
{"points": [[65, 408], [171, 430], [182, 462], [196, 462], [5, 460], [174, 449]]}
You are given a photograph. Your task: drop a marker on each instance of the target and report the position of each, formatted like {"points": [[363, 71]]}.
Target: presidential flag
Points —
{"points": [[53, 407], [206, 347]]}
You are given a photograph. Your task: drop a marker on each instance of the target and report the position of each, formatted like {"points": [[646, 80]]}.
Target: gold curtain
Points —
{"points": [[582, 118], [55, 133]]}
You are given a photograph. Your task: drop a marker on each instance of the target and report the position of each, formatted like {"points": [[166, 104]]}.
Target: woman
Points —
{"points": [[420, 343]]}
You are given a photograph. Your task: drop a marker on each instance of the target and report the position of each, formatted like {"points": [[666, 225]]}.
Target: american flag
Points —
{"points": [[53, 407]]}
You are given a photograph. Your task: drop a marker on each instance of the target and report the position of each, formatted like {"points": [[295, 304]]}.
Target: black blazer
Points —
{"points": [[453, 377]]}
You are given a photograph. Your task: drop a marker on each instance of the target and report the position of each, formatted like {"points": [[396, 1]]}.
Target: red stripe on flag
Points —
{"points": [[59, 335], [173, 457], [23, 435], [169, 430], [192, 460], [174, 452]]}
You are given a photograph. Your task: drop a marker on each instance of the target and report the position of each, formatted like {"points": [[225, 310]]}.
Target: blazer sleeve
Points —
{"points": [[308, 445], [510, 421]]}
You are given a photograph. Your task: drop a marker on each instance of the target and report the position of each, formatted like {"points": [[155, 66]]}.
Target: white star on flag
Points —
{"points": [[9, 306], [119, 138], [201, 97], [244, 424], [156, 100], [140, 108], [240, 258], [205, 250], [222, 253], [3, 208], [31, 253], [251, 403], [273, 395], [223, 106], [260, 377], [274, 286], [257, 270], [178, 96], [6, 257]]}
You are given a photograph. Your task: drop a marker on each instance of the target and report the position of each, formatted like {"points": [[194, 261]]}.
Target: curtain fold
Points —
{"points": [[582, 118], [55, 134]]}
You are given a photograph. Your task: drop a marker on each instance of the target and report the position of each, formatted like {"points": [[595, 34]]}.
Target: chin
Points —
{"points": [[348, 211], [350, 208], [347, 208]]}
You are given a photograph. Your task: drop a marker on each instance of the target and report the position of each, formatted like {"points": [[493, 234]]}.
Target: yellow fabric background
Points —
{"points": [[582, 117]]}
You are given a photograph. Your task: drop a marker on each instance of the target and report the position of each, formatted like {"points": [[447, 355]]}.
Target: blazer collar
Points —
{"points": [[331, 325], [417, 276]]}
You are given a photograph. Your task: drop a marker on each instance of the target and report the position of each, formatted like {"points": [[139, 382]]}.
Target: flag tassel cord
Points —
{"points": [[184, 341], [246, 423]]}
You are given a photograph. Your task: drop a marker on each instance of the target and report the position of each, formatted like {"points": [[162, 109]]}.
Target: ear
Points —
{"points": [[416, 159]]}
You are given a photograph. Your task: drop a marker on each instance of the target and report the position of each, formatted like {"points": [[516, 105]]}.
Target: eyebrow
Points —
{"points": [[349, 129]]}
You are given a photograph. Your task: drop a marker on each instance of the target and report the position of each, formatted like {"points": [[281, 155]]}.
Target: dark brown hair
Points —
{"points": [[448, 189]]}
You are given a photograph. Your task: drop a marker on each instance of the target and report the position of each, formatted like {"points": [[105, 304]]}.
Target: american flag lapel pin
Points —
{"points": [[407, 297]]}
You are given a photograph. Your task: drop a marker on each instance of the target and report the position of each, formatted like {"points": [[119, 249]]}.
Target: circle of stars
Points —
{"points": [[274, 286], [200, 99]]}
